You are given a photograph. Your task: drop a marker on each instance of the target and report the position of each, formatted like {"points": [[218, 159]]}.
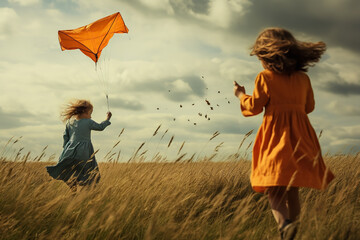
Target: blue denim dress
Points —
{"points": [[77, 161]]}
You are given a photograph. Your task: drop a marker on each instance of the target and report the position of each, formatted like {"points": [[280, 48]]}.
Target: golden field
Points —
{"points": [[167, 199]]}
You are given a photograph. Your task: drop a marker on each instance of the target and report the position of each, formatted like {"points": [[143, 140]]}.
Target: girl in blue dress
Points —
{"points": [[77, 164]]}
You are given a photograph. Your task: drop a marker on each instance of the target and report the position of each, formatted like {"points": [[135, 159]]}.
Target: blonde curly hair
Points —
{"points": [[75, 107], [282, 53]]}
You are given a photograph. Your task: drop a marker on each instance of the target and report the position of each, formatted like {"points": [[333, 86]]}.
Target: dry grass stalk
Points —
{"points": [[316, 159], [217, 148], [182, 145], [118, 156], [156, 157], [157, 129], [292, 179], [137, 151], [215, 134], [244, 138], [18, 154], [181, 157], [92, 155], [110, 157], [17, 140], [211, 157], [247, 148], [37, 159], [143, 153], [122, 131], [116, 144], [191, 158], [320, 134], [171, 139], [109, 152], [164, 134], [295, 149], [26, 157]]}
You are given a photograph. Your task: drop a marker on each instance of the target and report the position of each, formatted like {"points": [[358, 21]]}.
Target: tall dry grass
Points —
{"points": [[183, 199]]}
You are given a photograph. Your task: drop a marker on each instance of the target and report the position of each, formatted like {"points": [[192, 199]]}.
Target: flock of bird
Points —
{"points": [[209, 105]]}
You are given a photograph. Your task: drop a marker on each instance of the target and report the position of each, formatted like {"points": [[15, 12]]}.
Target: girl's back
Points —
{"points": [[79, 130], [288, 91]]}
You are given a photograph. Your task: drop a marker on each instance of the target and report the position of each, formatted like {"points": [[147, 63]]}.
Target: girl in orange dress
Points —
{"points": [[286, 153]]}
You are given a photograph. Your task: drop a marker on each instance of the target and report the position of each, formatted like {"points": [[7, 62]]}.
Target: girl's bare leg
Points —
{"points": [[277, 199], [293, 203]]}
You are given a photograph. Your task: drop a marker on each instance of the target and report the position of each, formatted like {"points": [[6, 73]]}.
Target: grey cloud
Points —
{"points": [[336, 23], [126, 104], [346, 138], [197, 6], [7, 22], [342, 88], [178, 6], [196, 84], [163, 86], [181, 10], [329, 80], [342, 108], [12, 119]]}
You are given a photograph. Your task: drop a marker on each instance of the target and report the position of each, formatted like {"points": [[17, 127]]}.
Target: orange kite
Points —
{"points": [[92, 38]]}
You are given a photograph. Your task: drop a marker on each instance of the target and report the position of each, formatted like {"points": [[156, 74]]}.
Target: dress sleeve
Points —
{"points": [[310, 101], [99, 126], [253, 105], [66, 135]]}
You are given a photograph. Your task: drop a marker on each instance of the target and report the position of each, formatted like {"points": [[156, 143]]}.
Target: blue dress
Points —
{"points": [[76, 160]]}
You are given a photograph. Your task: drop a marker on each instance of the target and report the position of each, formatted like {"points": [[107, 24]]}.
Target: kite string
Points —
{"points": [[101, 78], [105, 70], [107, 102]]}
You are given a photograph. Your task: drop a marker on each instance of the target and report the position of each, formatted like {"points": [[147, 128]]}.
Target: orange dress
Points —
{"points": [[286, 151]]}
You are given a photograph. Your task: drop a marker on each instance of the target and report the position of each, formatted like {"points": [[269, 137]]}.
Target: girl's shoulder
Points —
{"points": [[85, 121], [264, 76], [268, 74], [77, 122], [300, 74]]}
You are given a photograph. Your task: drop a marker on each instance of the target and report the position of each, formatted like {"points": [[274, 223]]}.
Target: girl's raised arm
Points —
{"points": [[99, 126], [253, 105]]}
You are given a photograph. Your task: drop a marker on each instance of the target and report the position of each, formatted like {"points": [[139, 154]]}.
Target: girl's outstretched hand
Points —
{"points": [[238, 90], [109, 114]]}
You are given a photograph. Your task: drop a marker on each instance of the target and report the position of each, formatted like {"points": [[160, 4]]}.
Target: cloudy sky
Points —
{"points": [[177, 52]]}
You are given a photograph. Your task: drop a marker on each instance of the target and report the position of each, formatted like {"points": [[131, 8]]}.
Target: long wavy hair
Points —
{"points": [[75, 107], [282, 53]]}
